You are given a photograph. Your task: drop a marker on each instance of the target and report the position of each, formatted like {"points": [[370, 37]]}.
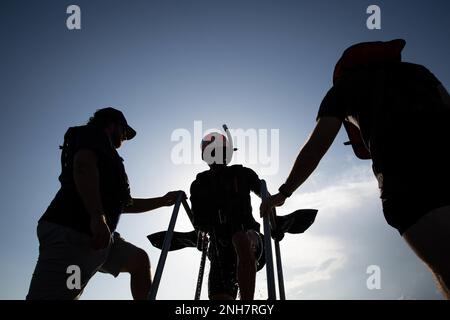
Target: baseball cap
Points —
{"points": [[116, 116]]}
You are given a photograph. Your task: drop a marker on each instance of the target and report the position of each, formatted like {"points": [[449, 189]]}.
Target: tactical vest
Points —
{"points": [[113, 180]]}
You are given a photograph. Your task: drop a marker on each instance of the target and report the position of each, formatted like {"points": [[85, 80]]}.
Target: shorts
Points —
{"points": [[413, 172], [222, 275], [403, 213], [67, 261], [407, 198]]}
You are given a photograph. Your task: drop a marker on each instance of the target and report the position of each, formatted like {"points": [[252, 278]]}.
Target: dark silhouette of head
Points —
{"points": [[366, 54], [114, 124], [216, 150]]}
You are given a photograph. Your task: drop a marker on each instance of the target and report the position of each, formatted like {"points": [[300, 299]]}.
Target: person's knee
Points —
{"points": [[243, 249], [248, 259], [139, 262], [241, 242]]}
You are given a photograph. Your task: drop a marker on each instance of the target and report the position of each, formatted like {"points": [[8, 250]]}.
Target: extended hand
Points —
{"points": [[268, 204], [171, 197]]}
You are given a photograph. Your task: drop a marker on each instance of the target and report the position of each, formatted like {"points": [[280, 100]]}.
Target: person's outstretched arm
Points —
{"points": [[144, 205], [309, 157]]}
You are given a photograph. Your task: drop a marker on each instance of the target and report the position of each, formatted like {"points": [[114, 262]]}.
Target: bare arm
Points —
{"points": [[309, 157], [313, 151], [144, 205], [86, 177]]}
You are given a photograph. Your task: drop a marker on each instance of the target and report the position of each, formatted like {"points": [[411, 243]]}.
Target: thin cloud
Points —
{"points": [[322, 256], [310, 258], [344, 194]]}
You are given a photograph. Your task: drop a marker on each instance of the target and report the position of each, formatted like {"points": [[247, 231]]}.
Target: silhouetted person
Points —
{"points": [[78, 228], [221, 206], [398, 115]]}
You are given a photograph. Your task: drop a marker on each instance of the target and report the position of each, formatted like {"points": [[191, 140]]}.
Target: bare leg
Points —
{"points": [[138, 266], [430, 240], [246, 264]]}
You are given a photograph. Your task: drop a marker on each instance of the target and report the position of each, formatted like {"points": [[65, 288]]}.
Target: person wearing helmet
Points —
{"points": [[396, 114], [76, 233], [220, 199]]}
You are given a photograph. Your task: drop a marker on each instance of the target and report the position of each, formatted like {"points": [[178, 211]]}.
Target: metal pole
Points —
{"points": [[201, 271], [165, 249], [268, 249], [280, 277], [188, 210], [280, 271]]}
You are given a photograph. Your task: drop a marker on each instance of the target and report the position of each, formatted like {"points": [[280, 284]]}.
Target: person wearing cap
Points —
{"points": [[221, 207], [396, 114], [76, 233]]}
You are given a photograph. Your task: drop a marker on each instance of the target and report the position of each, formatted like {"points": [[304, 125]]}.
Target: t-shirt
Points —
{"points": [[220, 198], [396, 106], [67, 207], [402, 111]]}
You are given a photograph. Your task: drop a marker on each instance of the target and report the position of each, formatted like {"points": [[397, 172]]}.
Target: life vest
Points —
{"points": [[222, 198], [358, 56]]}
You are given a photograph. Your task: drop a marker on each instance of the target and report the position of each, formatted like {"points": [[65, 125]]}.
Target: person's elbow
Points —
{"points": [[311, 153], [131, 207]]}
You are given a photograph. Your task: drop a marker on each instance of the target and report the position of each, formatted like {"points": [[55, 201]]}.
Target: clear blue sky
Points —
{"points": [[250, 64]]}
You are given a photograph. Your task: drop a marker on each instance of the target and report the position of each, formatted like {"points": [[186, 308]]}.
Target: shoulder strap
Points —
{"points": [[68, 136]]}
